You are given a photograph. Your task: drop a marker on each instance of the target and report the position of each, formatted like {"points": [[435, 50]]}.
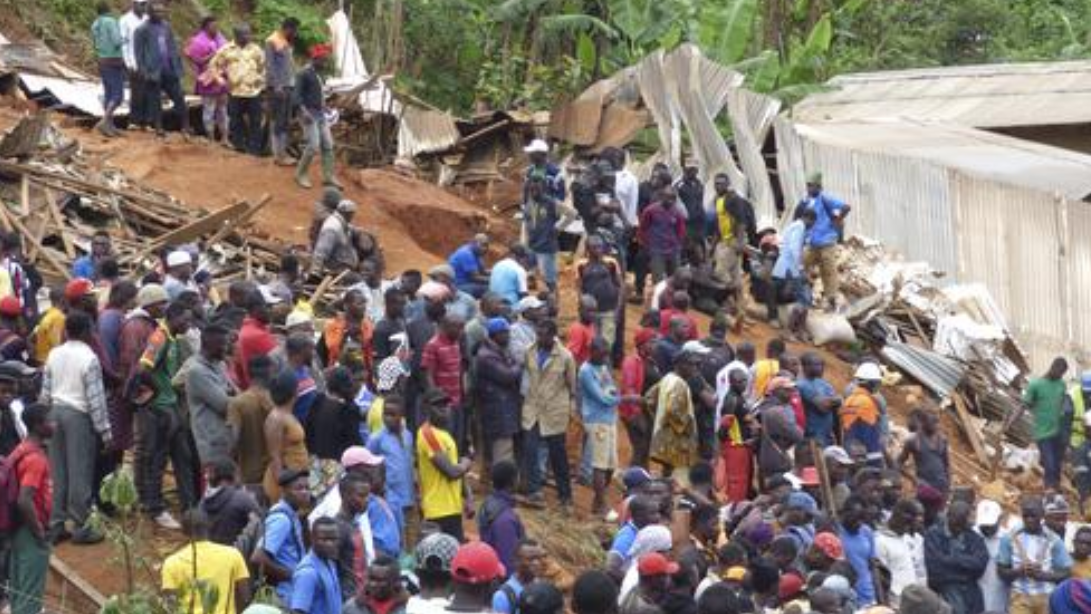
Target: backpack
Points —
{"points": [[513, 599], [252, 539], [9, 492]]}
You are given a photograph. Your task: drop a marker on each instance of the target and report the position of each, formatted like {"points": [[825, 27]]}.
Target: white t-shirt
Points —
{"points": [[903, 555], [420, 605], [627, 190], [330, 506]]}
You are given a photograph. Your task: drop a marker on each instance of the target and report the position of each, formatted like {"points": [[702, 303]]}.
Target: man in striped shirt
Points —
{"points": [[1033, 560]]}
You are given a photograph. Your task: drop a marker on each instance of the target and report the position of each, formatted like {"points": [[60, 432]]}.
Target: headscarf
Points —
{"points": [[391, 369], [652, 538]]}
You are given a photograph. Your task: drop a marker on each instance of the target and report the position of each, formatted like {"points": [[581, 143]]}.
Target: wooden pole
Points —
{"points": [[824, 480]]}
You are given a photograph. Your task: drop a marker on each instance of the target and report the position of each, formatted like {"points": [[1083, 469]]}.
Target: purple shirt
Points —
{"points": [[501, 528], [662, 229], [200, 50]]}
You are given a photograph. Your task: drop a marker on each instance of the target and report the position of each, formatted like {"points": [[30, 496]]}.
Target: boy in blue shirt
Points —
{"points": [[315, 587], [599, 400], [282, 546], [395, 444]]}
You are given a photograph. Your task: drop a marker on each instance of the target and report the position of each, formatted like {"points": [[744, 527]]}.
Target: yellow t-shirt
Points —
{"points": [[764, 371], [220, 566], [724, 220], [48, 334], [440, 495], [1081, 569]]}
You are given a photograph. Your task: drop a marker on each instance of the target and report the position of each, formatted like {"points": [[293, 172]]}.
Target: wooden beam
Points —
{"points": [[70, 576], [99, 188], [58, 219], [50, 258], [970, 429], [243, 219], [215, 221]]}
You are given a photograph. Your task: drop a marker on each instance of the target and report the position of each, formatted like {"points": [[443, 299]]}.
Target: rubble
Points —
{"points": [[952, 339]]}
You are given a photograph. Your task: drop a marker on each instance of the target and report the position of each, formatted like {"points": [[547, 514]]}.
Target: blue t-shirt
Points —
{"points": [[284, 542], [385, 529], [315, 587], [398, 459], [623, 540], [84, 267], [859, 550], [465, 263], [598, 395], [509, 280], [501, 601], [824, 233], [819, 424]]}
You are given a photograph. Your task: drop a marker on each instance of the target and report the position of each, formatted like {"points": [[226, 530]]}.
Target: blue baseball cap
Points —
{"points": [[497, 325], [803, 501]]}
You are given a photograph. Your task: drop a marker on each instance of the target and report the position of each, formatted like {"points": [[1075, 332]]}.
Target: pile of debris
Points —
{"points": [[951, 338], [56, 198]]}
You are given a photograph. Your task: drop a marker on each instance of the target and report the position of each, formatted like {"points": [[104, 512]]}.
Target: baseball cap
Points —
{"points": [[288, 476], [830, 545], [346, 206], [779, 382], [436, 551], [537, 146], [359, 455], [497, 325], [10, 306], [695, 347], [178, 258], [331, 196], [803, 501], [298, 317], [528, 303], [655, 564], [15, 369], [635, 477], [442, 270], [1056, 505], [434, 291], [476, 563], [77, 289], [838, 455], [791, 585], [987, 515], [735, 574], [150, 294]]}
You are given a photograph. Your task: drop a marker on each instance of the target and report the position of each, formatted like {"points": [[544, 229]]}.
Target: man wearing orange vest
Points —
{"points": [[861, 413]]}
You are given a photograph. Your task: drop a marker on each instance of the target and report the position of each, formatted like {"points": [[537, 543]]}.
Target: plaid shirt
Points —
{"points": [[1045, 549]]}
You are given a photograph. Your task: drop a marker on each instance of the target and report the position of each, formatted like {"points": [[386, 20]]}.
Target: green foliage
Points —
{"points": [[515, 82], [268, 15]]}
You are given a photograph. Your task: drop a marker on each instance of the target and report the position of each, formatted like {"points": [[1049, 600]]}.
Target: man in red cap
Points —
{"points": [[780, 432], [13, 343], [476, 571], [312, 114], [655, 571]]}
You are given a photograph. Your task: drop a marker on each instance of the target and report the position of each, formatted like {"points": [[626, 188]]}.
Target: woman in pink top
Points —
{"points": [[210, 85]]}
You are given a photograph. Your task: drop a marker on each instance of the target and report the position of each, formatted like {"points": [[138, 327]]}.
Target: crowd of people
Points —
{"points": [[331, 460], [250, 92]]}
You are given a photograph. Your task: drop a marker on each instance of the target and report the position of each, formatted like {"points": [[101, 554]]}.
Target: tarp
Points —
{"points": [[84, 96], [351, 70]]}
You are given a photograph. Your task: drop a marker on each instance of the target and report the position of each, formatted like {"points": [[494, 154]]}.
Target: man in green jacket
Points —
{"points": [[1045, 396], [106, 35]]}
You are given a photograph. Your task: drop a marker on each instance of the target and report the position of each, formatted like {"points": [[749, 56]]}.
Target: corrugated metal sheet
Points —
{"points": [[1078, 278], [986, 96], [934, 371], [751, 117], [424, 131]]}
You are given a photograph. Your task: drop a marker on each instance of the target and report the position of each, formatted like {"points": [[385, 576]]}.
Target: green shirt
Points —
{"points": [[1046, 400], [106, 36], [162, 360]]}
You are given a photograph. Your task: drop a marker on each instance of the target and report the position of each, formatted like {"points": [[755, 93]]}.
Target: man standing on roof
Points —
{"points": [[129, 23], [160, 65], [279, 79], [538, 155], [312, 116], [824, 235]]}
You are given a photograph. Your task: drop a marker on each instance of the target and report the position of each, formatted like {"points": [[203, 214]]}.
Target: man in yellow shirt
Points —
{"points": [[49, 333], [444, 494], [243, 62], [730, 233], [217, 579]]}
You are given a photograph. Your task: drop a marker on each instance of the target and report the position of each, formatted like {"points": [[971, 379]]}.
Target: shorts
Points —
{"points": [[603, 441]]}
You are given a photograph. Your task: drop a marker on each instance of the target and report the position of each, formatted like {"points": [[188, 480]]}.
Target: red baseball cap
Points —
{"points": [[791, 585], [320, 50], [830, 545], [808, 476], [77, 289], [655, 564], [9, 306], [477, 563]]}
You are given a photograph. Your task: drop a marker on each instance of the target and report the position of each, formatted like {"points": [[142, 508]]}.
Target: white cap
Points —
{"points": [[869, 372], [178, 258], [298, 317], [346, 206], [269, 296], [988, 513], [695, 347], [529, 302], [537, 146]]}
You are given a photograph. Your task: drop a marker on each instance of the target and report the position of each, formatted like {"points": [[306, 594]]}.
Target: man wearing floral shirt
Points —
{"points": [[243, 61]]}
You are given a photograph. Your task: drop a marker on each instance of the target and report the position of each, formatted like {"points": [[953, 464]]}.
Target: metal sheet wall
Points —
{"points": [[1078, 257]]}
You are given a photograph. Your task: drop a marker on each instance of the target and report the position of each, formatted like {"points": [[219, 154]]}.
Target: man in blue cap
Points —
{"points": [[497, 376]]}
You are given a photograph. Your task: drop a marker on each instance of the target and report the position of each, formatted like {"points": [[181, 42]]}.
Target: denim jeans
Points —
{"points": [[113, 84], [1051, 453], [316, 133], [547, 264], [558, 460]]}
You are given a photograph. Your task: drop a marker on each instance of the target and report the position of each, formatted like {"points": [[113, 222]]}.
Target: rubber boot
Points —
{"points": [[328, 177], [301, 171]]}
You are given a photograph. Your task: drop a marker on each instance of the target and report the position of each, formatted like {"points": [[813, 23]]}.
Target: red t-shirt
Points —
{"points": [[632, 383], [442, 358], [665, 317], [32, 470], [254, 340], [580, 336]]}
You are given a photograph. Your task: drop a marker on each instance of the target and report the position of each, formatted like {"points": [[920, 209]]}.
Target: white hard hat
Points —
{"points": [[869, 372], [537, 146]]}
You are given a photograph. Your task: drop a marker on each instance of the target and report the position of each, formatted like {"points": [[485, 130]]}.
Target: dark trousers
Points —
{"points": [[172, 87], [138, 103], [245, 121], [640, 439], [72, 452], [558, 461], [161, 435], [1051, 452], [451, 525]]}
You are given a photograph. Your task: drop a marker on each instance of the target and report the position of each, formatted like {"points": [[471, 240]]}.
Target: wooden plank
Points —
{"points": [[214, 221], [24, 195], [49, 257], [58, 219], [970, 430], [327, 281], [70, 576], [243, 219]]}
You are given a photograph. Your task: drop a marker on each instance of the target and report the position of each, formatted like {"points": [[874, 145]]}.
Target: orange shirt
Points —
{"points": [[859, 406]]}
